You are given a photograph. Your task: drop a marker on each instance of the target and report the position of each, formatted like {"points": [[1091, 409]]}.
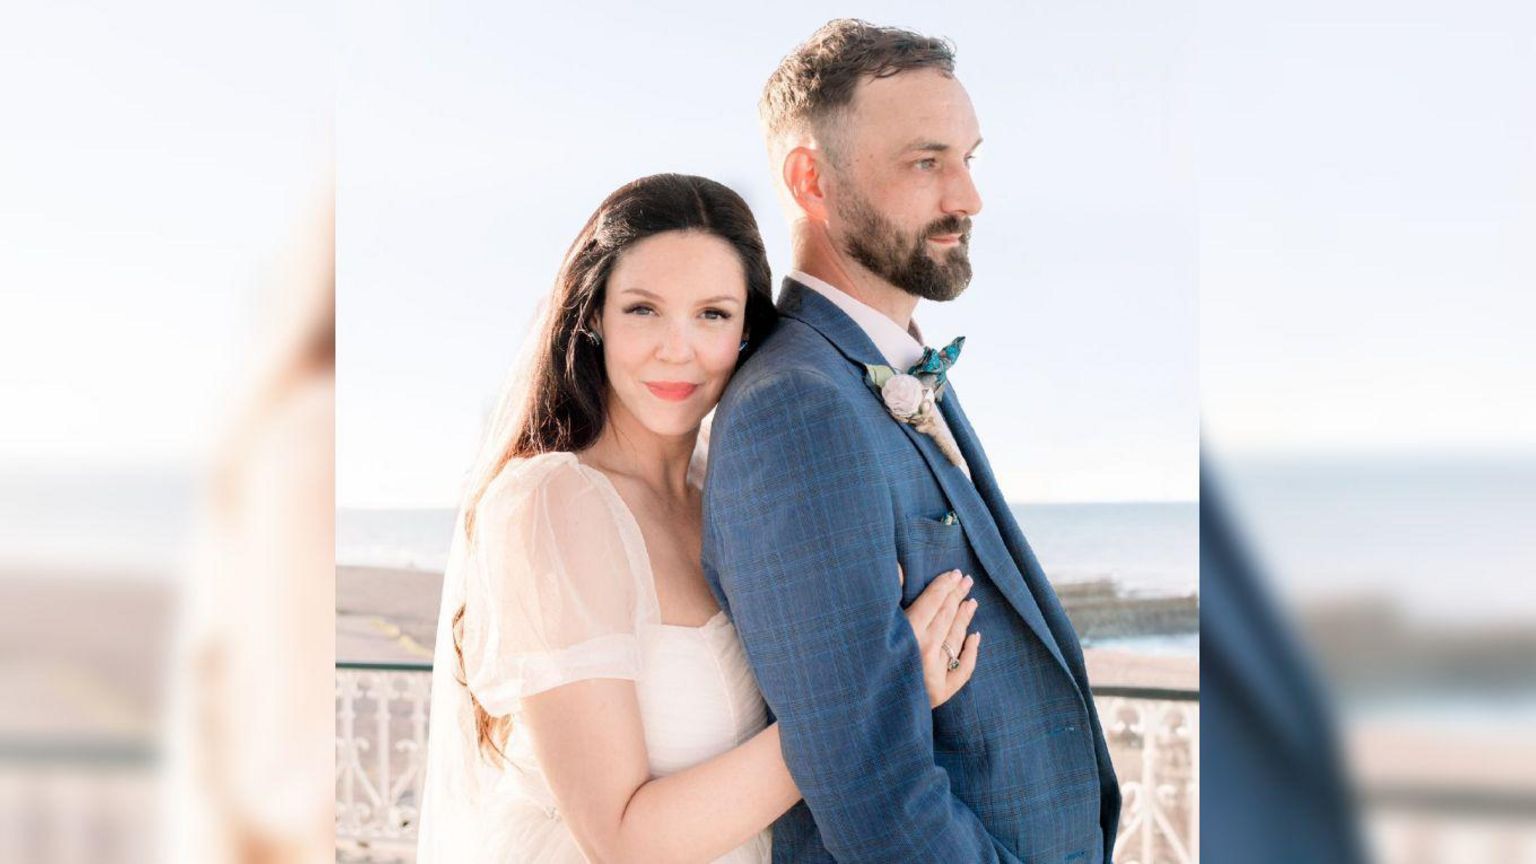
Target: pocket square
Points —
{"points": [[950, 518]]}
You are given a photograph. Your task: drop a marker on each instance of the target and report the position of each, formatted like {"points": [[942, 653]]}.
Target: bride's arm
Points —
{"points": [[589, 738]]}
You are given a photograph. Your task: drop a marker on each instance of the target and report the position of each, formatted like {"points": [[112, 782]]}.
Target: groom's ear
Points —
{"points": [[804, 180]]}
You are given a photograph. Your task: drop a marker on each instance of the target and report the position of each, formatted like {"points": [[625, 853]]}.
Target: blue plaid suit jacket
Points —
{"points": [[814, 494]]}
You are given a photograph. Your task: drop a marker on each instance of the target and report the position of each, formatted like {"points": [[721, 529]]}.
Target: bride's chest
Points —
{"points": [[673, 539]]}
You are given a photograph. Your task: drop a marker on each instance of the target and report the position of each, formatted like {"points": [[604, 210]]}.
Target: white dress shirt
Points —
{"points": [[901, 348]]}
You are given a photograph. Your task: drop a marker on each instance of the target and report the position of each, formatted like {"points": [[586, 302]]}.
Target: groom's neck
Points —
{"points": [[817, 257]]}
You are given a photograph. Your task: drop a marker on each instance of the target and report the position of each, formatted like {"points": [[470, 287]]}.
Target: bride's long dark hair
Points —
{"points": [[563, 407]]}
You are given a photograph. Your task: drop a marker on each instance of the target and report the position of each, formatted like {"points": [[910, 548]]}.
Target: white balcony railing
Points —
{"points": [[1154, 741], [381, 740], [381, 750]]}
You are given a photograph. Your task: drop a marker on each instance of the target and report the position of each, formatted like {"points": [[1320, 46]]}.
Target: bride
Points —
{"points": [[590, 701]]}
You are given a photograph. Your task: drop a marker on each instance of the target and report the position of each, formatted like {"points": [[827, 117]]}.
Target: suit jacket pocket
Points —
{"points": [[929, 547]]}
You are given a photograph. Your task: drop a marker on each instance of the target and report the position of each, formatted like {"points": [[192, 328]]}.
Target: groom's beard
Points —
{"points": [[903, 260]]}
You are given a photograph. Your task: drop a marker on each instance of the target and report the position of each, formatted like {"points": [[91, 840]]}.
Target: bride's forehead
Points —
{"points": [[679, 266]]}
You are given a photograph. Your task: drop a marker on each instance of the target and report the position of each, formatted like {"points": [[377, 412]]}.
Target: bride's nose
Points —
{"points": [[676, 344]]}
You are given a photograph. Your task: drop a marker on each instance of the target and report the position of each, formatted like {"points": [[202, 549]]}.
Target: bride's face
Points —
{"points": [[671, 327]]}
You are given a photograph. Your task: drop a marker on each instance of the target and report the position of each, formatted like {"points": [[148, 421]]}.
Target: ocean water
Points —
{"points": [[1145, 547], [1148, 548], [410, 539], [1443, 537], [126, 521]]}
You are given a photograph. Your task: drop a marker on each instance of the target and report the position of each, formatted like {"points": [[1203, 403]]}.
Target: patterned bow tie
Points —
{"points": [[933, 367]]}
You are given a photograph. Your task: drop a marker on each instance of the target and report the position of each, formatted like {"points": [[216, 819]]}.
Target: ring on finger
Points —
{"points": [[954, 661]]}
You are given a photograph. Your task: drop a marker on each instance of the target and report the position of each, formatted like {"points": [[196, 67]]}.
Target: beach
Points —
{"points": [[73, 674], [386, 614]]}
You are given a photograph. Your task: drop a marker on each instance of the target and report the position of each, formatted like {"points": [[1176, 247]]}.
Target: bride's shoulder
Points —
{"points": [[547, 482]]}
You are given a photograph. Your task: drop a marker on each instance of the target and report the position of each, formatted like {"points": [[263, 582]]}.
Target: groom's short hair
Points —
{"points": [[816, 81]]}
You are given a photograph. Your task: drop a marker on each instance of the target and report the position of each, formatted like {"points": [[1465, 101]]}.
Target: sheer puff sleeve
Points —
{"points": [[556, 590]]}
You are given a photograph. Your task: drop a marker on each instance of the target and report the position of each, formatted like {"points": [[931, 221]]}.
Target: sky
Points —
{"points": [[1367, 189], [156, 166], [1315, 220], [474, 140]]}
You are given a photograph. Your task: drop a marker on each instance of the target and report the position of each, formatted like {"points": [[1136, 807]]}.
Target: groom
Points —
{"points": [[816, 493]]}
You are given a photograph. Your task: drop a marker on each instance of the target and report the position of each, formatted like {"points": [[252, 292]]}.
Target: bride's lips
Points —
{"points": [[672, 391]]}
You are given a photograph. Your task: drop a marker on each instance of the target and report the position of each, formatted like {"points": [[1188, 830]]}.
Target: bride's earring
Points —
{"points": [[594, 337], [742, 347]]}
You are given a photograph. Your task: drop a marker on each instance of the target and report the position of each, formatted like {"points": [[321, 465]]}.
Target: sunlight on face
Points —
{"points": [[672, 328]]}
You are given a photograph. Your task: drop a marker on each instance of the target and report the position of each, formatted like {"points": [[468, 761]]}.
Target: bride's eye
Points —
{"points": [[716, 315], [639, 309]]}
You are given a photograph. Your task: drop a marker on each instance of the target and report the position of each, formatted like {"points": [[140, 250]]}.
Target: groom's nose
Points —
{"points": [[960, 195]]}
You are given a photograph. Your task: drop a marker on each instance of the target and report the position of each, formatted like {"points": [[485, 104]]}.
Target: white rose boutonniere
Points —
{"points": [[911, 400], [903, 395]]}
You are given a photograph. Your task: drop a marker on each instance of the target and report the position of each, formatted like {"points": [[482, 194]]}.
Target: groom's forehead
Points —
{"points": [[924, 103]]}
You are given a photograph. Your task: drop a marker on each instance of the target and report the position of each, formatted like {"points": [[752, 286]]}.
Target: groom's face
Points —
{"points": [[902, 194]]}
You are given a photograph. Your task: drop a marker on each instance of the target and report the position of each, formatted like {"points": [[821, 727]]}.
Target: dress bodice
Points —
{"points": [[698, 699], [558, 590]]}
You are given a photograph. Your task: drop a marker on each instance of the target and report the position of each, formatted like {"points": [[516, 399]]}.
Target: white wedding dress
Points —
{"points": [[558, 588]]}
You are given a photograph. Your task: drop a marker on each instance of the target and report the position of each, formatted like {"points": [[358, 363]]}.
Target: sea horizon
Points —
{"points": [[1144, 547]]}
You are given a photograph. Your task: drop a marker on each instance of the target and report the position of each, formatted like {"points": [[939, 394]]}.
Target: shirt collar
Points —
{"points": [[901, 348]]}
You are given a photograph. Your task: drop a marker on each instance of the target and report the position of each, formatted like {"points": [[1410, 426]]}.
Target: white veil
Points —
{"points": [[456, 773]]}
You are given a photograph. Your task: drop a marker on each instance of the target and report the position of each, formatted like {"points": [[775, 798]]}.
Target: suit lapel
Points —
{"points": [[1015, 547], [804, 304], [979, 527]]}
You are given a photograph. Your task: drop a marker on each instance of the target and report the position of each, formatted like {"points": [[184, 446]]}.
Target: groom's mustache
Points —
{"points": [[950, 225]]}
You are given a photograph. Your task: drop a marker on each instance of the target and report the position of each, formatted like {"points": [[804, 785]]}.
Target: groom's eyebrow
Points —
{"points": [[929, 146]]}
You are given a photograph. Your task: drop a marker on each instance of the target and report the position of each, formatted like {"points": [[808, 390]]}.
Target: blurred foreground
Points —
{"points": [[167, 349], [1403, 585]]}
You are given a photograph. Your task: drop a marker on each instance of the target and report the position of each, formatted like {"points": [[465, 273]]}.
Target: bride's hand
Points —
{"points": [[939, 620]]}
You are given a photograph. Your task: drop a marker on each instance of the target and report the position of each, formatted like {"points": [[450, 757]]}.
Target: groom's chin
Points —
{"points": [[948, 280], [959, 271], [945, 291]]}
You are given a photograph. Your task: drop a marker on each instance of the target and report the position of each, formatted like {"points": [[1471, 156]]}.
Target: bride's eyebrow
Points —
{"points": [[719, 298]]}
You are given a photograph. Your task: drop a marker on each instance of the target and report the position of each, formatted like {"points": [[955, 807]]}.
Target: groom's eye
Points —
{"points": [[927, 164]]}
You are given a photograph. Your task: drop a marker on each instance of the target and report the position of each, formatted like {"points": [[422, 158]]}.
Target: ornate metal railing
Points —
{"points": [[78, 799], [1438, 823], [1154, 741], [381, 740], [381, 758]]}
